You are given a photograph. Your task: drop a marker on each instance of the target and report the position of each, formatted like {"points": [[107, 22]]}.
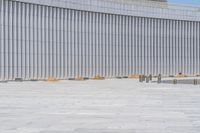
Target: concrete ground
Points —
{"points": [[109, 106]]}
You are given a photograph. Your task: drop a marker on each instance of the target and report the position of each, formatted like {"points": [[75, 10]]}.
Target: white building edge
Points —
{"points": [[145, 8]]}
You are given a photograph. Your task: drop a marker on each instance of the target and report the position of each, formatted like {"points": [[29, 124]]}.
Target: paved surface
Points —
{"points": [[110, 106]]}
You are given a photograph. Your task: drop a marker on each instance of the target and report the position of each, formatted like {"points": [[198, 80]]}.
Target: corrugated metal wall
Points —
{"points": [[38, 42]]}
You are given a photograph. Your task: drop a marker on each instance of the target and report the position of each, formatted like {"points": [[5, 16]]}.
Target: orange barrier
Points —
{"points": [[135, 76], [52, 79], [98, 77]]}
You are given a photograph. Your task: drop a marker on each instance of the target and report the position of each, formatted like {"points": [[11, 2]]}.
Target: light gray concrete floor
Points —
{"points": [[109, 106]]}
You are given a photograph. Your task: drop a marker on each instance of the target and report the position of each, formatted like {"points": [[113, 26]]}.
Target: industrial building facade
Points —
{"points": [[41, 40]]}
